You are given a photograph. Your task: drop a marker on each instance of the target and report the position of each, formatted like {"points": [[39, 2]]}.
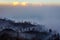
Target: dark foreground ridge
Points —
{"points": [[11, 30]]}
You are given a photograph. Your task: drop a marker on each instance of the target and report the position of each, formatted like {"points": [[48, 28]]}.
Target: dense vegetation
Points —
{"points": [[50, 35]]}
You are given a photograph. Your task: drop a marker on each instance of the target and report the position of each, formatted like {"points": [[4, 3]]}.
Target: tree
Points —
{"points": [[50, 30]]}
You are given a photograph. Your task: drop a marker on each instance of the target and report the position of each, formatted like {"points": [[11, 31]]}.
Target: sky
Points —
{"points": [[32, 1]]}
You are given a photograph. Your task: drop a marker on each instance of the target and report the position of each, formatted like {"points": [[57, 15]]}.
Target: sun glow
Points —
{"points": [[19, 3], [15, 3], [23, 3]]}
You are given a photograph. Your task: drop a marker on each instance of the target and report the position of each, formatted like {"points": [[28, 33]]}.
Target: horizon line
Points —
{"points": [[26, 4]]}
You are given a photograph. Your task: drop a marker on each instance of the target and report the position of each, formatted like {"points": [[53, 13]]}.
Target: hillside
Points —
{"points": [[11, 30]]}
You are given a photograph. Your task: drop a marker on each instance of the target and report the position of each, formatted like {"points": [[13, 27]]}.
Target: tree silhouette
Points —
{"points": [[50, 30]]}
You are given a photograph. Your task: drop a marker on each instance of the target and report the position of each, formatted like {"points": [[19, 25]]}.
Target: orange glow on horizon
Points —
{"points": [[19, 3], [24, 4], [28, 4], [15, 3]]}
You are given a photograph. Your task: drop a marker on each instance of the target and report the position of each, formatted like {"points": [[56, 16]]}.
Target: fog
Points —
{"points": [[45, 15]]}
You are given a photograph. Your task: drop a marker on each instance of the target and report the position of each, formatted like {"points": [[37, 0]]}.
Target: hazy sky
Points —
{"points": [[31, 1]]}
